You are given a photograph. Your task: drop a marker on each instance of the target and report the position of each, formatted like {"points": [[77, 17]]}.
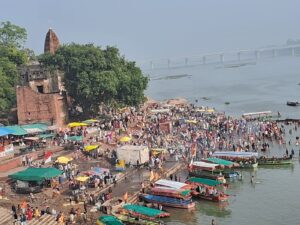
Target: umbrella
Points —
{"points": [[77, 124], [90, 147], [89, 121], [125, 139], [63, 160], [82, 178]]}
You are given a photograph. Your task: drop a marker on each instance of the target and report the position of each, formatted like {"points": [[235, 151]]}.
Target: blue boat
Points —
{"points": [[168, 201]]}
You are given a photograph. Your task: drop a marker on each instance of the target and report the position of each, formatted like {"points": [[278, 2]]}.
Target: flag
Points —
{"points": [[125, 197], [151, 176], [48, 157], [193, 149]]}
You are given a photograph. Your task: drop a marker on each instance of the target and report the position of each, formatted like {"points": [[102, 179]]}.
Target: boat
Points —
{"points": [[168, 201], [293, 103], [206, 170], [273, 161], [170, 192], [228, 165], [245, 160], [136, 214], [109, 220], [172, 184], [206, 189]]}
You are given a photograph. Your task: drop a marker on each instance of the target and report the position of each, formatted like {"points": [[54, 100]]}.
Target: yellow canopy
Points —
{"points": [[82, 178], [210, 110], [191, 121], [90, 147], [125, 139], [63, 160], [156, 151], [77, 124]]}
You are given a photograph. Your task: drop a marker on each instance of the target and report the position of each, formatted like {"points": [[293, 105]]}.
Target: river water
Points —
{"points": [[265, 85]]}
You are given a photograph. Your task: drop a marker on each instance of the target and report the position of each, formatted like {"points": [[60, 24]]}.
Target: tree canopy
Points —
{"points": [[12, 38], [93, 76]]}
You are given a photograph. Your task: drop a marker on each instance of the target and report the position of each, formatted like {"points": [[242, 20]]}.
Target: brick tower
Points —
{"points": [[51, 42]]}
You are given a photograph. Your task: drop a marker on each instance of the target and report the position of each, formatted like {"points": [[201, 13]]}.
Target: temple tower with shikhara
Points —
{"points": [[51, 42]]}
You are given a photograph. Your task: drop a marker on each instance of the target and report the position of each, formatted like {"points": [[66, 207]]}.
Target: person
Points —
{"points": [[15, 219], [84, 217], [171, 175], [293, 152], [287, 152], [252, 179], [175, 177], [23, 219], [213, 222], [37, 213]]}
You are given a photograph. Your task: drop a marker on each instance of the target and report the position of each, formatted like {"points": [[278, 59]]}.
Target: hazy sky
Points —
{"points": [[150, 29]]}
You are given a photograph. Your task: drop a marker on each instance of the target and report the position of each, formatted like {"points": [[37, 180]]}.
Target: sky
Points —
{"points": [[154, 29]]}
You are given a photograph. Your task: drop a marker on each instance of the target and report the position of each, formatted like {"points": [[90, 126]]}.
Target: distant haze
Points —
{"points": [[146, 29]]}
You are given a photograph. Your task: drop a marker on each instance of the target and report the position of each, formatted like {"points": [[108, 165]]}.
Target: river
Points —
{"points": [[265, 85]]}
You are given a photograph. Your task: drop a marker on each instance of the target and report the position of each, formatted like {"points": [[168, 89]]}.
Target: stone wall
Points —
{"points": [[36, 107]]}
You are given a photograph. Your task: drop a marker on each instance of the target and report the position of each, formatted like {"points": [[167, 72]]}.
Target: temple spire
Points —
{"points": [[51, 42]]}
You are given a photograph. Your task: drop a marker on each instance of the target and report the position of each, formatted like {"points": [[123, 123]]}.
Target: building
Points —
{"points": [[40, 95]]}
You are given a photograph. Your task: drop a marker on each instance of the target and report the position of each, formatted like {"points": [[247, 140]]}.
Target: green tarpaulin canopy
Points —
{"points": [[46, 135], [75, 138], [35, 127], [36, 174], [17, 130], [110, 220], [144, 210], [220, 161], [204, 181]]}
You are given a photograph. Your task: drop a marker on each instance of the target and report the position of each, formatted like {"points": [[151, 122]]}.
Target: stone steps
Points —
{"points": [[6, 218]]}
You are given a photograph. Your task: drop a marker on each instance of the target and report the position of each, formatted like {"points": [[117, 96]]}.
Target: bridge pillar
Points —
{"points": [[239, 56], [151, 65], [222, 58], [293, 51], [257, 54], [186, 61], [274, 53], [204, 59], [169, 63]]}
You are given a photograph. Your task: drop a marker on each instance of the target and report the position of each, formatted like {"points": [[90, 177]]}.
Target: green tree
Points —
{"points": [[12, 55], [93, 76], [12, 35]]}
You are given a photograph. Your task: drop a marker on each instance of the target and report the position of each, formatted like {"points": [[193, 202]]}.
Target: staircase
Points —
{"points": [[6, 218]]}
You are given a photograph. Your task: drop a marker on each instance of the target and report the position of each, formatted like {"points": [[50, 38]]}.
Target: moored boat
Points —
{"points": [[171, 192], [206, 189], [246, 160], [168, 201], [289, 103], [264, 161], [109, 220]]}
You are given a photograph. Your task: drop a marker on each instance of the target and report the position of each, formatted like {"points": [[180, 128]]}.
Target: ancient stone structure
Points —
{"points": [[41, 96], [51, 42]]}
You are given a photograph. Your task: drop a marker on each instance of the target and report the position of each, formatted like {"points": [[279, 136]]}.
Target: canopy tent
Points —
{"points": [[75, 138], [208, 182], [205, 165], [221, 161], [82, 178], [235, 154], [157, 151], [5, 131], [63, 160], [35, 128], [17, 130], [90, 121], [45, 136], [109, 220], [146, 211], [191, 121], [171, 184], [97, 171], [89, 148], [31, 138], [36, 174], [125, 139], [77, 124]]}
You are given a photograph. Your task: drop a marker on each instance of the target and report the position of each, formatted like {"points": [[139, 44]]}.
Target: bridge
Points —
{"points": [[232, 58]]}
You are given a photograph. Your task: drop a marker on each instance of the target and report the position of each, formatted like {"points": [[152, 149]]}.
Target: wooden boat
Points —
{"points": [[293, 103], [172, 184], [246, 160], [108, 220], [207, 174], [263, 161], [170, 192], [168, 201], [143, 211], [206, 189], [228, 165], [131, 220]]}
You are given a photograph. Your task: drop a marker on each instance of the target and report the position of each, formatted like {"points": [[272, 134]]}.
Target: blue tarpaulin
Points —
{"points": [[5, 131]]}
